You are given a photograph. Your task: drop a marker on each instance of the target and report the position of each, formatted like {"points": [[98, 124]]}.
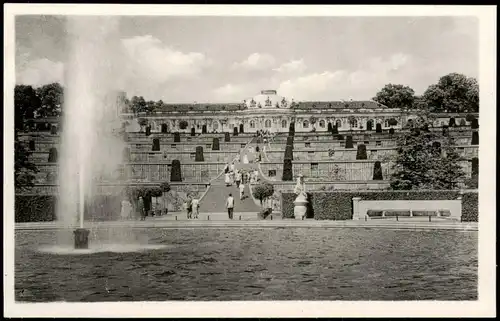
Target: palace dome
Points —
{"points": [[267, 99]]}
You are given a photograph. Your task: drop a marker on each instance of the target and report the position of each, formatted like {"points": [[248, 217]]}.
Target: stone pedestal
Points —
{"points": [[81, 238], [300, 209]]}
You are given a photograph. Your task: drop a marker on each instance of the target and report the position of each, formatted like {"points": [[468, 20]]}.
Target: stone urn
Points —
{"points": [[81, 238], [300, 209]]}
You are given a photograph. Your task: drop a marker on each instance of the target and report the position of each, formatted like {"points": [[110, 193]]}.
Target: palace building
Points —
{"points": [[269, 111]]}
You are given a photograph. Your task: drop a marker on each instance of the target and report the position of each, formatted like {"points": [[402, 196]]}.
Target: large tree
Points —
{"points": [[453, 93], [26, 105], [396, 96], [426, 160], [26, 102], [138, 104], [52, 100]]}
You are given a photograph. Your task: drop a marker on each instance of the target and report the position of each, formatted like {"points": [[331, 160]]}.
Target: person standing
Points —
{"points": [[242, 190], [189, 208], [126, 209], [237, 178], [230, 206], [142, 210], [227, 179]]}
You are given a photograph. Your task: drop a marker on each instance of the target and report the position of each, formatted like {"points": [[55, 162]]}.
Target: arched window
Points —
{"points": [[252, 124], [305, 124], [338, 123], [215, 125], [386, 123], [354, 123], [283, 123], [267, 123], [322, 123]]}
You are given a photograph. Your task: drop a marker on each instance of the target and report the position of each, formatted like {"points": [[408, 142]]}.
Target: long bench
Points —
{"points": [[361, 207]]}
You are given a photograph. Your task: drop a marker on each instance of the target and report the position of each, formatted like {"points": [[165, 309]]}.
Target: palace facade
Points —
{"points": [[268, 111]]}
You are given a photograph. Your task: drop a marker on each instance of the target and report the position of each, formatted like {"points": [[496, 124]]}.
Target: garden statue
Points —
{"points": [[301, 200]]}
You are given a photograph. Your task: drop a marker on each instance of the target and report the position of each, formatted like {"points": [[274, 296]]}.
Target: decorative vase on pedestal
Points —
{"points": [[300, 209]]}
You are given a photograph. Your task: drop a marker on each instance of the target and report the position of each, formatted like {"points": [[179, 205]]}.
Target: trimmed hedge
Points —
{"points": [[148, 130], [335, 130], [391, 131], [338, 205], [340, 137], [475, 166], [361, 153], [156, 144], [348, 142], [377, 171], [43, 208], [227, 137], [235, 131], [53, 156], [177, 137], [452, 122], [53, 130], [164, 128], [199, 154], [378, 128], [193, 131], [475, 138], [288, 152], [175, 172], [287, 170], [204, 129], [289, 141], [291, 129], [215, 144], [474, 124]]}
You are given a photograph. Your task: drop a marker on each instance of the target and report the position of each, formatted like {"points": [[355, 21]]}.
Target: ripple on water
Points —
{"points": [[115, 248]]}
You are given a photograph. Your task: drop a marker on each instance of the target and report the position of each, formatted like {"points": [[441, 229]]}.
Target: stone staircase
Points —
{"points": [[214, 201]]}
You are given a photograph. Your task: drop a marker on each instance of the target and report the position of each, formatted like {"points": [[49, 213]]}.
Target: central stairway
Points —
{"points": [[214, 202]]}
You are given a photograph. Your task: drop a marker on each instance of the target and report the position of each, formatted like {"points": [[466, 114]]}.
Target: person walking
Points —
{"points": [[189, 208], [242, 190], [227, 179], [142, 210], [230, 206], [237, 178]]}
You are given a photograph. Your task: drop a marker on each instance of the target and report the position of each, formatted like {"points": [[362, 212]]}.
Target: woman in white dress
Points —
{"points": [[227, 179], [245, 159], [126, 210]]}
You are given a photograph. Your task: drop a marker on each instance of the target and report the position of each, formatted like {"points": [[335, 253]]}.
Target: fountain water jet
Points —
{"points": [[90, 148]]}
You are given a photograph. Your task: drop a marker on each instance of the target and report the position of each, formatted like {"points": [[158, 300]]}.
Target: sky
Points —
{"points": [[229, 59]]}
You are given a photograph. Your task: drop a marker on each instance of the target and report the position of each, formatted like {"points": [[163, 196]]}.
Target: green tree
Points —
{"points": [[138, 104], [262, 192], [26, 102], [396, 96], [52, 100], [418, 166], [26, 105], [453, 93]]}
